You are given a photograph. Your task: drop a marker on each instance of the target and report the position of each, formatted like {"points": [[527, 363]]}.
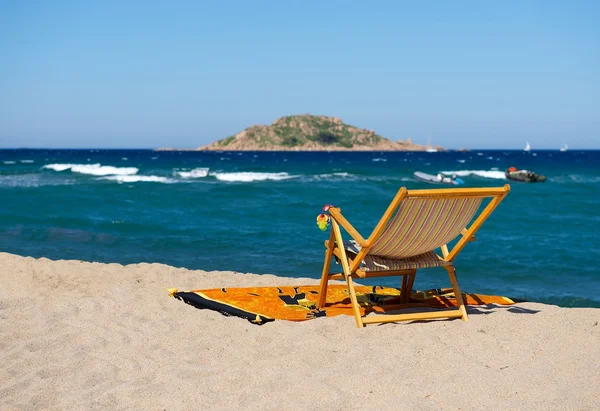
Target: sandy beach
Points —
{"points": [[79, 335]]}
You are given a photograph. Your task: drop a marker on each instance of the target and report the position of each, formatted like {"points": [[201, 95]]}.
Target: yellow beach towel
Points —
{"points": [[298, 303]]}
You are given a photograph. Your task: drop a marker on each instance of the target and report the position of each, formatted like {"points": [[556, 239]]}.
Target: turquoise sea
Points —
{"points": [[255, 212]]}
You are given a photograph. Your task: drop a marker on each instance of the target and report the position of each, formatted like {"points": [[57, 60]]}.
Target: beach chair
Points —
{"points": [[416, 223]]}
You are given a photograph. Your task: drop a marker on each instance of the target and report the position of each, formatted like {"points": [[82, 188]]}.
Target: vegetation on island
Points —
{"points": [[310, 133]]}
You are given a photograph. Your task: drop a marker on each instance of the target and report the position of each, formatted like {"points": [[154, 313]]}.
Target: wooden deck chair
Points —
{"points": [[416, 223]]}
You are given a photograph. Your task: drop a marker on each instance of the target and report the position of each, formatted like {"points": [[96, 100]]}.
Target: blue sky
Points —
{"points": [[183, 74]]}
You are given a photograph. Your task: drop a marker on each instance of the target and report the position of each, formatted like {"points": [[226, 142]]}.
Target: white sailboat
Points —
{"points": [[527, 147], [565, 148], [430, 149]]}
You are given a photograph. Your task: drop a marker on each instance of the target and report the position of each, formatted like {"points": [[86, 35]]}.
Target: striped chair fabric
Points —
{"points": [[377, 263], [422, 225]]}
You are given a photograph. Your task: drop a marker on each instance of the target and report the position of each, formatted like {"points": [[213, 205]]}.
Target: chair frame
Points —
{"points": [[351, 266]]}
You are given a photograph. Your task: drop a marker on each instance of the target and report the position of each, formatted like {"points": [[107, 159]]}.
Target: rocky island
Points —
{"points": [[310, 133]]}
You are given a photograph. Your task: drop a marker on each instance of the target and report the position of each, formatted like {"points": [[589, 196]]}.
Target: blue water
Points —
{"points": [[255, 212]]}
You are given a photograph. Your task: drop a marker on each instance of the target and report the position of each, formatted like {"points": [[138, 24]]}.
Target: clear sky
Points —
{"points": [[476, 74]]}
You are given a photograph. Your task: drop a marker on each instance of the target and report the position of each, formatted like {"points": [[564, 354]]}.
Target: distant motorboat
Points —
{"points": [[565, 148], [524, 176], [431, 150], [527, 147], [437, 179]]}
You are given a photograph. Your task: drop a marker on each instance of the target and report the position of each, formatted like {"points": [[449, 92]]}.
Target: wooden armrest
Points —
{"points": [[336, 214]]}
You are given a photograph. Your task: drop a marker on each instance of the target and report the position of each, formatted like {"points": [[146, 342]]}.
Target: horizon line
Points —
{"points": [[462, 149]]}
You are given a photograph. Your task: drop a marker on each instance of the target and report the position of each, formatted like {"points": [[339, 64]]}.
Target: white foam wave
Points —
{"points": [[461, 161], [58, 167], [249, 176], [481, 173], [354, 177], [138, 179], [334, 175], [93, 169], [380, 159], [9, 162], [195, 173], [26, 161]]}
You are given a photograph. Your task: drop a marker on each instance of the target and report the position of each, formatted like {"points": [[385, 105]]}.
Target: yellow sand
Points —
{"points": [[77, 335]]}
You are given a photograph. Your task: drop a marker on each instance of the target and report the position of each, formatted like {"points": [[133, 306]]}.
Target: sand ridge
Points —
{"points": [[80, 335]]}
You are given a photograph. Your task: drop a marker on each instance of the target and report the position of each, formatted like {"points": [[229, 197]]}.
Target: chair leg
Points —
{"points": [[457, 293], [354, 300], [347, 273], [403, 286], [324, 281], [407, 286], [325, 274]]}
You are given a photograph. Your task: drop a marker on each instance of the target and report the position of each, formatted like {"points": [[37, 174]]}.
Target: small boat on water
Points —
{"points": [[525, 176], [565, 148], [527, 147], [430, 148], [437, 179]]}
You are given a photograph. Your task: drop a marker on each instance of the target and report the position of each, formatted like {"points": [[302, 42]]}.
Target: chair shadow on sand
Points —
{"points": [[492, 308]]}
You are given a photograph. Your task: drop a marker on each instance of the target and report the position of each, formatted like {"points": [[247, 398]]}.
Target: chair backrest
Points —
{"points": [[425, 220]]}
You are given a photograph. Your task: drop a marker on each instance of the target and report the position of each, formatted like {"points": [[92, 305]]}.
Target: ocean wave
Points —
{"points": [[26, 161], [93, 169], [343, 176], [9, 162], [575, 178], [333, 176], [31, 180], [138, 179], [195, 173], [480, 173], [379, 159], [249, 176], [340, 174]]}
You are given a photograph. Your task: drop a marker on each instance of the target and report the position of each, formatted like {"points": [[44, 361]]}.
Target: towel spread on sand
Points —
{"points": [[263, 304]]}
